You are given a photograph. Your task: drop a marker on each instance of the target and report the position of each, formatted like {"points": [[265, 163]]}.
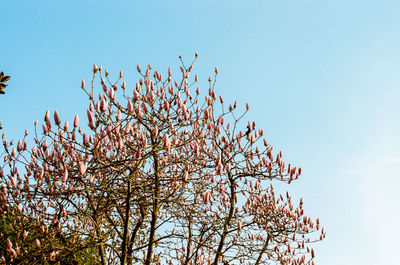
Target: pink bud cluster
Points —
{"points": [[152, 156]]}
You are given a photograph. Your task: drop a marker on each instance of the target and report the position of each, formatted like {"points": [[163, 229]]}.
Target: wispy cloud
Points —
{"points": [[379, 190]]}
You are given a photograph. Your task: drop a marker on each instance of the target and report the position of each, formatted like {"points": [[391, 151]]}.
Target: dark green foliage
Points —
{"points": [[30, 253]]}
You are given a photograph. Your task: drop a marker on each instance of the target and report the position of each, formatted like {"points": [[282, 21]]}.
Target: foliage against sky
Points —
{"points": [[322, 77]]}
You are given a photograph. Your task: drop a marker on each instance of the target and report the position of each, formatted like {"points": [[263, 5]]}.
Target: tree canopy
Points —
{"points": [[159, 174], [3, 80], [3, 85]]}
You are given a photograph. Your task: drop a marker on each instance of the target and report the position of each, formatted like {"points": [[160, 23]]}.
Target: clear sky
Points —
{"points": [[322, 78]]}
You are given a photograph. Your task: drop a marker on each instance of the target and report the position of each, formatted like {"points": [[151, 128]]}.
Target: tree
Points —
{"points": [[158, 176], [26, 240], [3, 80], [26, 250]]}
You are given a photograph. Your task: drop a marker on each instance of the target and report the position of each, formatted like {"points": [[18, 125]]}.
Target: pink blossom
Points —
{"points": [[239, 224], [56, 118], [52, 255], [130, 106], [135, 94], [82, 168], [9, 244], [47, 115], [155, 131], [111, 93], [48, 124], [91, 179], [19, 146], [13, 182], [90, 116], [76, 120], [66, 125], [25, 234], [65, 175], [103, 105], [167, 142]]}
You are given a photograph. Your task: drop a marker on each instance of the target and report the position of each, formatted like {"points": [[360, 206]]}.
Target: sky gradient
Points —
{"points": [[321, 78]]}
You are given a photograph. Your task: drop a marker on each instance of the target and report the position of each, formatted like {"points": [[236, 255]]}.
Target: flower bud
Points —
{"points": [[48, 124], [155, 131], [167, 143], [56, 118], [239, 224], [9, 244], [91, 179], [25, 235], [47, 116], [44, 129], [19, 146], [82, 168], [66, 126], [65, 175], [76, 120], [90, 116], [130, 106], [52, 255], [111, 93], [103, 105]]}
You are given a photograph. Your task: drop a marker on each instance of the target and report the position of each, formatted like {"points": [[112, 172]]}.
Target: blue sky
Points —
{"points": [[321, 77]]}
